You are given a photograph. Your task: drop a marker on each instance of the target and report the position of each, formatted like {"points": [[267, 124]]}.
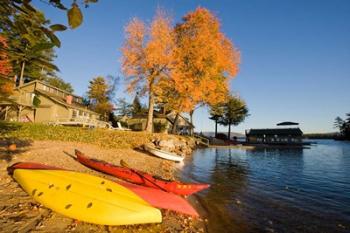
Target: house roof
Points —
{"points": [[287, 123], [62, 101], [286, 131], [38, 81], [171, 118]]}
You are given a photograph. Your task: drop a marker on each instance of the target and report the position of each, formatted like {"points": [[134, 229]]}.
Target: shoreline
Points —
{"points": [[259, 146], [19, 212], [243, 147]]}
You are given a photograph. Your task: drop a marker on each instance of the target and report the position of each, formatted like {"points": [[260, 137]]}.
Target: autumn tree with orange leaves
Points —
{"points": [[205, 60], [6, 87], [5, 66], [147, 56], [182, 67]]}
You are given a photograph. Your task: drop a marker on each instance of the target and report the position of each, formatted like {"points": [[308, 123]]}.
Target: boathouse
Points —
{"points": [[275, 135]]}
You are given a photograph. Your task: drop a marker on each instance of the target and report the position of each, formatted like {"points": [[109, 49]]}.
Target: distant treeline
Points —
{"points": [[344, 127], [321, 136]]}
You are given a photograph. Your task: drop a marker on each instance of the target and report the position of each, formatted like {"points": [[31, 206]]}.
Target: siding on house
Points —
{"points": [[161, 123], [53, 104]]}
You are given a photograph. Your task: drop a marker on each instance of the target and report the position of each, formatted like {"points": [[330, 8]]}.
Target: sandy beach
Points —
{"points": [[20, 213]]}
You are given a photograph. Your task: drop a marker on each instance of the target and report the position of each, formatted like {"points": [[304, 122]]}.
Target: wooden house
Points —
{"points": [[39, 102], [162, 123]]}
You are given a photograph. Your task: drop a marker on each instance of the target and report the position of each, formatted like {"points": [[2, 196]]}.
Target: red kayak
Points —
{"points": [[154, 197], [138, 177]]}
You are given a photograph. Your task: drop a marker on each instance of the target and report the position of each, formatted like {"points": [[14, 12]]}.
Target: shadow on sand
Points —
{"points": [[7, 152], [11, 146]]}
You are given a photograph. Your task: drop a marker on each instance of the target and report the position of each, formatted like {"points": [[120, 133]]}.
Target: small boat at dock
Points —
{"points": [[164, 154]]}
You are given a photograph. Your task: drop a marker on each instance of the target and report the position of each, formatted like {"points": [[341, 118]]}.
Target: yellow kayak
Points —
{"points": [[86, 198]]}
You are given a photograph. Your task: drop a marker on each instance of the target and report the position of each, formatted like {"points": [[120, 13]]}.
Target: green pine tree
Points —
{"points": [[235, 111]]}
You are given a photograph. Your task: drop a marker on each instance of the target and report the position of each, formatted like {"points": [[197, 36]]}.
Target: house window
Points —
{"points": [[77, 100], [74, 114]]}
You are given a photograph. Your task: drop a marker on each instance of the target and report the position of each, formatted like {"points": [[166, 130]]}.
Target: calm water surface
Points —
{"points": [[273, 190]]}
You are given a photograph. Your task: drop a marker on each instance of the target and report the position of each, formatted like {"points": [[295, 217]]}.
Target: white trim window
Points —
{"points": [[74, 113]]}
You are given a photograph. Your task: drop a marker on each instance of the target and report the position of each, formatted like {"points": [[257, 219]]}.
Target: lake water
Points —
{"points": [[274, 190]]}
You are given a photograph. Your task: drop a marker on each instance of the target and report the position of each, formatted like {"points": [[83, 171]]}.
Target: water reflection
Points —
{"points": [[280, 190], [228, 179]]}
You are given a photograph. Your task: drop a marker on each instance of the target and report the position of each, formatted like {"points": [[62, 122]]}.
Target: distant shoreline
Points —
{"points": [[238, 146]]}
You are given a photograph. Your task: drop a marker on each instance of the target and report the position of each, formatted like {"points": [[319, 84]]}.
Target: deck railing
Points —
{"points": [[81, 121]]}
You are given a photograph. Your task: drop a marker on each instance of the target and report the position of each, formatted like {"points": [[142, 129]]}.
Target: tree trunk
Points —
{"points": [[22, 73], [216, 128], [6, 110], [149, 125], [175, 124], [15, 81], [229, 131], [19, 113], [191, 121]]}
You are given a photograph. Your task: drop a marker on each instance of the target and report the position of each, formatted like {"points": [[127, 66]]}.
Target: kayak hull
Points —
{"points": [[85, 197], [140, 178]]}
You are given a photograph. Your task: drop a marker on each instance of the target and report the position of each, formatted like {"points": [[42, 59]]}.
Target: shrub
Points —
{"points": [[221, 136], [159, 127]]}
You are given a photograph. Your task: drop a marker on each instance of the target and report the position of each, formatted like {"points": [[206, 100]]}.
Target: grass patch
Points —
{"points": [[100, 137]]}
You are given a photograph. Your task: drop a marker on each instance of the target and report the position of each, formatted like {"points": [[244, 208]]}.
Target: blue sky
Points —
{"points": [[295, 54]]}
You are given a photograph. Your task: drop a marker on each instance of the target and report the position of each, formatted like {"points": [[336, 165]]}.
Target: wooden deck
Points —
{"points": [[84, 122]]}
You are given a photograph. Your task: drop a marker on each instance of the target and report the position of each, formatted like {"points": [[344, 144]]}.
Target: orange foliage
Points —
{"points": [[146, 53], [182, 67], [5, 66], [133, 59], [6, 87], [147, 56], [205, 59]]}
